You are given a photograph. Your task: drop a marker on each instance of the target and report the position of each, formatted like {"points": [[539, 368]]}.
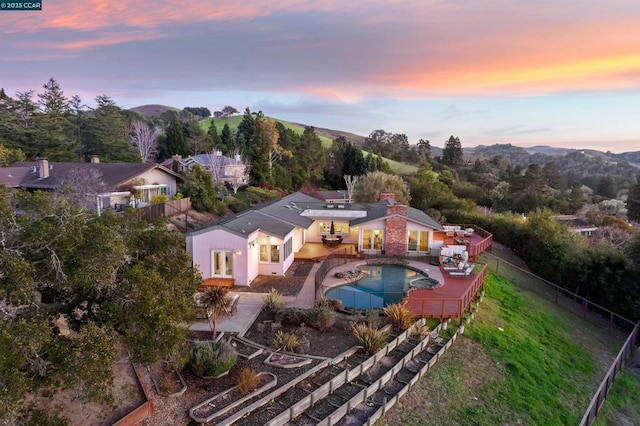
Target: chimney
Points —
{"points": [[95, 159], [177, 157], [43, 168], [387, 196]]}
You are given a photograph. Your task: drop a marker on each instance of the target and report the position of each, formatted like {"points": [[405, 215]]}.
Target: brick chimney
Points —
{"points": [[387, 196], [95, 159], [396, 229], [43, 168]]}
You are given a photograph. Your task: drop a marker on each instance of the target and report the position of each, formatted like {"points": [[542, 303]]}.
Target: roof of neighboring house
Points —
{"points": [[574, 222], [112, 174], [12, 176], [281, 216], [333, 195], [204, 160]]}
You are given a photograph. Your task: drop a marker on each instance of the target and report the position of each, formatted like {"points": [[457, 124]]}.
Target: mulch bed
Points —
{"points": [[289, 285]]}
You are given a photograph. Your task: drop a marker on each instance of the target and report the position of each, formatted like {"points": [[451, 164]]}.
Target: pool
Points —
{"points": [[380, 285]]}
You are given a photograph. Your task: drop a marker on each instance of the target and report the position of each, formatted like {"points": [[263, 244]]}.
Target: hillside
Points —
{"points": [[152, 110]]}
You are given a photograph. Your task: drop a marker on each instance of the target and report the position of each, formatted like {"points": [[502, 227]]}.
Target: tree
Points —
{"points": [[173, 141], [144, 138], [200, 112], [107, 135], [452, 152], [217, 305], [197, 184], [239, 172], [351, 182], [633, 201], [101, 276], [228, 111], [371, 185], [10, 156], [213, 140], [424, 150], [314, 158], [228, 141]]}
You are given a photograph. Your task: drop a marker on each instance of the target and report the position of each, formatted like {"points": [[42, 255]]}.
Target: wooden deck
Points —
{"points": [[448, 301]]}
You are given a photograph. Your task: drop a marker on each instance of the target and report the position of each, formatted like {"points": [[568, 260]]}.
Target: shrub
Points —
{"points": [[400, 316], [220, 208], [295, 316], [322, 317], [303, 341], [236, 205], [419, 331], [178, 196], [211, 359], [272, 300], [285, 341], [247, 381], [371, 339], [159, 199]]}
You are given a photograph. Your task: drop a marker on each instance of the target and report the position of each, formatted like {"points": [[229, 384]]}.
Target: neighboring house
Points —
{"points": [[105, 185], [263, 240], [575, 224], [338, 196], [220, 166]]}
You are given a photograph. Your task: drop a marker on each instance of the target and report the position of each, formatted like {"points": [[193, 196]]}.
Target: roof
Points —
{"points": [[203, 160], [112, 174], [574, 222], [333, 195], [281, 216]]}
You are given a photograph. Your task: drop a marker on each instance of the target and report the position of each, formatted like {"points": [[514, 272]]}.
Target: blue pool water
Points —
{"points": [[381, 285]]}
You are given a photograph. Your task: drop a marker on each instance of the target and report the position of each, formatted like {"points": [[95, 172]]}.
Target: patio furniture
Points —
{"points": [[331, 241]]}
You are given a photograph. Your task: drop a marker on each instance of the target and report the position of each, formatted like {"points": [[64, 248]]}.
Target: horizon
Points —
{"points": [[489, 72]]}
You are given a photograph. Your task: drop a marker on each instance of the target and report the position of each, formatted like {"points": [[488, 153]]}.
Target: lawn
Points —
{"points": [[399, 168], [520, 361]]}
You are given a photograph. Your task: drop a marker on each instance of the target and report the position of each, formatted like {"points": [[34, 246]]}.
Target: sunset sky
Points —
{"points": [[560, 73]]}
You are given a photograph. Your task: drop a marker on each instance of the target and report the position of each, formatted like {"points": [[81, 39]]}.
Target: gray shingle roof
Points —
{"points": [[112, 174], [281, 216]]}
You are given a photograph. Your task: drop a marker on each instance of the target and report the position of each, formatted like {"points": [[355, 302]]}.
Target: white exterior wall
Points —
{"points": [[299, 236], [158, 176], [313, 235], [268, 268], [201, 246]]}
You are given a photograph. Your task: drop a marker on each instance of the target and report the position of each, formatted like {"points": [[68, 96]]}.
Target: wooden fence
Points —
{"points": [[601, 394], [170, 208]]}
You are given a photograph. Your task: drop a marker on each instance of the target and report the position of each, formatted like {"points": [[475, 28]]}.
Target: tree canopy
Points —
{"points": [[107, 278]]}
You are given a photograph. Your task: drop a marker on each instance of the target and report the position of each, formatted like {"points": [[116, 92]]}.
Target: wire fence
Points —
{"points": [[589, 311]]}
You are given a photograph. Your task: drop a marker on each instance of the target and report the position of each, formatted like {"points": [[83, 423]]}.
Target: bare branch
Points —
{"points": [[145, 138]]}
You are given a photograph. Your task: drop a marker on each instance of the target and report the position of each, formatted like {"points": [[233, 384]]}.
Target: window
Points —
{"points": [[372, 239], [270, 253], [288, 248], [275, 253], [338, 227], [221, 263], [417, 241]]}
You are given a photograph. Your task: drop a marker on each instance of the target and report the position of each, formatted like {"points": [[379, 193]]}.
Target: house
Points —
{"points": [[105, 185], [222, 168], [264, 240], [339, 196], [575, 224]]}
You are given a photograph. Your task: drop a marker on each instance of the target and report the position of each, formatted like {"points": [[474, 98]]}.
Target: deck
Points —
{"points": [[448, 301], [317, 251]]}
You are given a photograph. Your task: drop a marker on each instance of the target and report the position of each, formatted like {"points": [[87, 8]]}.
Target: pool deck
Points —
{"points": [[447, 301]]}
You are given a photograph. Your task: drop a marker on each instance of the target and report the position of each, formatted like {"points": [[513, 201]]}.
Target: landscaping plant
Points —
{"points": [[248, 380], [322, 317], [400, 316], [370, 338], [210, 359], [272, 300], [283, 341]]}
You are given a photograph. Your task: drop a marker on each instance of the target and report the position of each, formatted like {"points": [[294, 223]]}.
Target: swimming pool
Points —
{"points": [[380, 285]]}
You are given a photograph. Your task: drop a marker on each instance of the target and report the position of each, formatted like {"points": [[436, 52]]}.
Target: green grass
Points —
{"points": [[399, 168], [621, 401], [516, 362]]}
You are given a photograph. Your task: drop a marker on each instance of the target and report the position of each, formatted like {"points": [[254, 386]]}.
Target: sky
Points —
{"points": [[560, 73]]}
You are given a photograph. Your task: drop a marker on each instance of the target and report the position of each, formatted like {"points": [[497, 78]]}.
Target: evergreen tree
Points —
{"points": [[314, 158], [173, 141], [228, 141], [107, 135], [213, 140], [55, 143], [633, 201], [452, 152]]}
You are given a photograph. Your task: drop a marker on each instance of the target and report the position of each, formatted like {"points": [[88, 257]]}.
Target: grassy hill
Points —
{"points": [[523, 360], [326, 136], [153, 110]]}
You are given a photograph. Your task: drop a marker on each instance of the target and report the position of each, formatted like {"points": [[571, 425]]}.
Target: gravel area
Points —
{"points": [[289, 285]]}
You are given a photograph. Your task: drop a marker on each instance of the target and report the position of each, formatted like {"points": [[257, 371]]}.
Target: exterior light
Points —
{"points": [[238, 252]]}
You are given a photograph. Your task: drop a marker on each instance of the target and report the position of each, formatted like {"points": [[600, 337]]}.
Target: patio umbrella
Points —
{"points": [[332, 229]]}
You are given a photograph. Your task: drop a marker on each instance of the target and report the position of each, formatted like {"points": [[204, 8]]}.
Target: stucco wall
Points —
{"points": [[158, 176], [201, 246]]}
